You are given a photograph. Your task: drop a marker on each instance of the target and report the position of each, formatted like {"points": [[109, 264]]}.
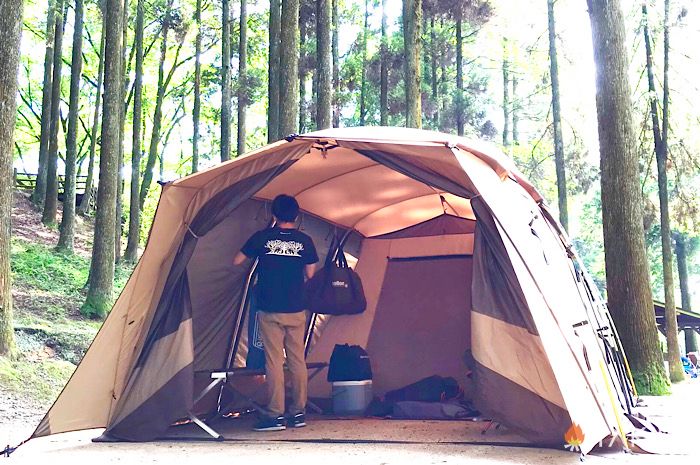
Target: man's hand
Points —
{"points": [[239, 259], [310, 270]]}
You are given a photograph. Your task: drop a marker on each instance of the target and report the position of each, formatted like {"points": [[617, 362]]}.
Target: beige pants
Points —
{"points": [[284, 332]]}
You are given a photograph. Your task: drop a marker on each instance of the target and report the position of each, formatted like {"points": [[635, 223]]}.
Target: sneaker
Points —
{"points": [[298, 420], [270, 424]]}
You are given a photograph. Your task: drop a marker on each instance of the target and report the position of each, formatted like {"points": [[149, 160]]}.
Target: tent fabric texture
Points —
{"points": [[458, 255]]}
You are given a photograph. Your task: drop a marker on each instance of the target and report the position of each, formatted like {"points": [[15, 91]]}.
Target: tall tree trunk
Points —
{"points": [[515, 110], [51, 199], [324, 65], [691, 341], [65, 240], [132, 246], [559, 161], [87, 197], [363, 78], [197, 87], [118, 229], [158, 112], [384, 72], [459, 96], [433, 73], [225, 81], [39, 194], [626, 265], [289, 68], [99, 294], [674, 354], [302, 79], [506, 94], [242, 79], [273, 87], [336, 65], [412, 19], [10, 31]]}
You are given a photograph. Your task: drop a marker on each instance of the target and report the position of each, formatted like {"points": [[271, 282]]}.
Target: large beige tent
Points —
{"points": [[456, 250]]}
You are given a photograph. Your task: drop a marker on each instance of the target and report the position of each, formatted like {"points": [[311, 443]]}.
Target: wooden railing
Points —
{"points": [[28, 181]]}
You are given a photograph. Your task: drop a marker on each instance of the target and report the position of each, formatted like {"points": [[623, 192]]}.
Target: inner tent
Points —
{"points": [[412, 244]]}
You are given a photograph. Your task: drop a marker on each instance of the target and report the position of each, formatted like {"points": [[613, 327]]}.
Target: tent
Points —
{"points": [[456, 249]]}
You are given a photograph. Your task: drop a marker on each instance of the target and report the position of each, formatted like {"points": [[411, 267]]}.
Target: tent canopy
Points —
{"points": [[457, 253]]}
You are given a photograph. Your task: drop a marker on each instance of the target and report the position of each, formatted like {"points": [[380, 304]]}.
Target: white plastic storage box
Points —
{"points": [[351, 397]]}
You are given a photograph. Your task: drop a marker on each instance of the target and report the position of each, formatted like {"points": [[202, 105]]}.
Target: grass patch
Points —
{"points": [[40, 381]]}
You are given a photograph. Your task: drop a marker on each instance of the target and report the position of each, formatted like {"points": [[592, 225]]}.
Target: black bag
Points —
{"points": [[335, 289], [349, 363], [431, 389]]}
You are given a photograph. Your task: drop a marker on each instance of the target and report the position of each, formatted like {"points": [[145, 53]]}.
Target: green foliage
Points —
{"points": [[652, 381]]}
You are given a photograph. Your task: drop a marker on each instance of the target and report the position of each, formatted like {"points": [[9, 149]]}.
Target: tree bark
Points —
{"points": [[384, 72], [225, 81], [118, 228], [559, 161], [302, 79], [158, 111], [289, 68], [101, 280], [363, 77], [626, 265], [273, 88], [87, 197], [242, 79], [10, 32], [506, 94], [412, 19], [459, 95], [39, 194], [691, 341], [197, 87], [48, 216], [65, 239], [434, 74], [324, 66], [336, 66], [132, 246]]}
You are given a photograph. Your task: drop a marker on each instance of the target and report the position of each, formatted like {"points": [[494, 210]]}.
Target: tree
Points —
{"points": [[87, 198], [99, 295], [384, 72], [196, 109], [661, 150], [132, 246], [363, 78], [626, 265], [10, 31], [273, 107], [459, 94], [242, 79], [556, 117], [39, 193], [515, 111], [412, 19], [691, 341], [289, 68], [336, 65], [225, 81], [324, 64], [51, 199], [65, 240]]}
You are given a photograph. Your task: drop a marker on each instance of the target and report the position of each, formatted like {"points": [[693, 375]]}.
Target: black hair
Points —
{"points": [[285, 208]]}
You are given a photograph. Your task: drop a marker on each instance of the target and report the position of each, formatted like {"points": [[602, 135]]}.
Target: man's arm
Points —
{"points": [[310, 270], [239, 259]]}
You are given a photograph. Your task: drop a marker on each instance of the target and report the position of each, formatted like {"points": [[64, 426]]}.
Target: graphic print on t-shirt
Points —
{"points": [[284, 248]]}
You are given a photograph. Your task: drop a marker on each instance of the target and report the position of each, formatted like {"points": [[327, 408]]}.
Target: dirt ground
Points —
{"points": [[677, 414]]}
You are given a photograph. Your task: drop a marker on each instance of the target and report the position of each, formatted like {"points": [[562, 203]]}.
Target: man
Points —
{"points": [[285, 255]]}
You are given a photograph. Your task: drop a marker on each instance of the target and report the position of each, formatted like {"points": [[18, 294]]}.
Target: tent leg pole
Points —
{"points": [[204, 426]]}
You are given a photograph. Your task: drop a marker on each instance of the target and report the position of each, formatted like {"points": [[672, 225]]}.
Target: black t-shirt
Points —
{"points": [[283, 254]]}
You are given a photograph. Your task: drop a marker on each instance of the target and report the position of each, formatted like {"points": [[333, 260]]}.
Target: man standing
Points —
{"points": [[285, 255]]}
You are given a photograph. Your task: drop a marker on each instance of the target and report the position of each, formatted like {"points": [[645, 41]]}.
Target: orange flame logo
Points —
{"points": [[574, 436]]}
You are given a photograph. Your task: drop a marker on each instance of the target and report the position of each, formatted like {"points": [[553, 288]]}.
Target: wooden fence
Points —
{"points": [[27, 181]]}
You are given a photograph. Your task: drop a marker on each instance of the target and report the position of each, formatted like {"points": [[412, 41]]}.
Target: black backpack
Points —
{"points": [[336, 289], [431, 389], [349, 363]]}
